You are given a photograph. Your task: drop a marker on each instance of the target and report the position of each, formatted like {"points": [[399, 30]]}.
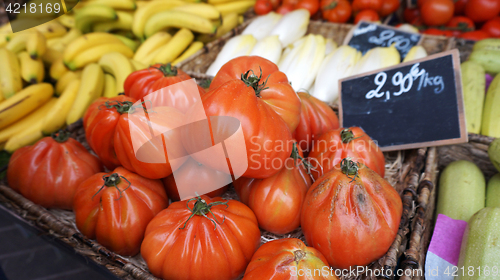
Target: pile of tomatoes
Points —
{"points": [[339, 11], [303, 171], [468, 19]]}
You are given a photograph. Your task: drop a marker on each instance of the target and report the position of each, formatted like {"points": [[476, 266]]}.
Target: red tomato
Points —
{"points": [[366, 15], [389, 7], [460, 7], [133, 129], [410, 15], [351, 215], [338, 11], [311, 5], [49, 171], [290, 3], [143, 82], [482, 10], [198, 178], [437, 12], [475, 35], [460, 24], [492, 27], [438, 32], [359, 5], [331, 147], [116, 207], [278, 259], [262, 7], [420, 3], [277, 200], [284, 9], [275, 3], [100, 121], [316, 118], [206, 239]]}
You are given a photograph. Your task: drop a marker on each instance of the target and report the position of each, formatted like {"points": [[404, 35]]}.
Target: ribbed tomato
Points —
{"points": [[277, 200], [316, 118], [197, 178], [100, 121], [152, 160], [359, 5], [482, 10], [288, 258], [331, 147], [268, 83], [49, 171], [492, 27], [436, 12], [389, 7], [336, 10], [351, 215], [366, 15], [116, 207], [205, 239]]}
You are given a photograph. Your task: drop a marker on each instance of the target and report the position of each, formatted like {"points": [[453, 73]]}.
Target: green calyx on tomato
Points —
{"points": [[121, 107], [168, 70], [347, 136], [296, 155], [61, 136], [349, 168], [112, 181], [330, 6], [201, 208], [251, 80]]}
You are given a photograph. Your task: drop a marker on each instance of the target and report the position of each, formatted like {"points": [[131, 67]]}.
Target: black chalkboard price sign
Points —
{"points": [[411, 105], [366, 36]]}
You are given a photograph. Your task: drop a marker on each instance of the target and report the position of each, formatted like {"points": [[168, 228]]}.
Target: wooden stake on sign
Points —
{"points": [[460, 103]]}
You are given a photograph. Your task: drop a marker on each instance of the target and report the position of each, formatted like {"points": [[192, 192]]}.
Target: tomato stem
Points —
{"points": [[61, 136], [251, 80], [346, 135], [349, 168], [298, 255], [167, 70], [201, 208], [295, 155], [112, 181], [121, 107], [330, 6]]}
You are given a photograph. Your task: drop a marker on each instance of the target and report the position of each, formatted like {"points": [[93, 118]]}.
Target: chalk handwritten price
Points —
{"points": [[386, 38], [405, 82]]}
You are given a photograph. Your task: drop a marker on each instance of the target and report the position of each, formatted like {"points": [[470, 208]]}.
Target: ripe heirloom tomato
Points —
{"points": [[436, 12], [438, 32], [284, 9], [100, 121], [482, 10], [492, 27], [351, 215], [338, 11], [460, 24], [366, 15], [475, 35], [275, 3], [205, 239], [49, 171], [116, 207], [277, 200], [389, 7], [283, 258], [270, 85], [316, 118], [311, 5], [198, 177], [331, 147], [262, 7], [460, 7], [410, 15], [359, 5], [150, 161]]}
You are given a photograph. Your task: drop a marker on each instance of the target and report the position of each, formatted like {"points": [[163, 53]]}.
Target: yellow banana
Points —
{"points": [[124, 22], [143, 14], [193, 48], [239, 7], [57, 70], [71, 36], [141, 3], [52, 29], [94, 54], [229, 21], [117, 65], [65, 80], [27, 121], [10, 77], [51, 55], [67, 20], [115, 4], [241, 19], [152, 43], [132, 44], [87, 16], [217, 2], [109, 86], [33, 42], [86, 42], [200, 9], [149, 59], [56, 117], [32, 70], [178, 19], [138, 65], [91, 87], [24, 102], [24, 138], [174, 47]]}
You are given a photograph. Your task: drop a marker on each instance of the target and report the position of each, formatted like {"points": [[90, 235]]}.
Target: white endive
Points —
{"points": [[261, 26], [408, 28], [235, 47], [291, 26], [377, 58], [268, 48], [415, 52], [289, 54], [330, 46], [336, 66]]}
